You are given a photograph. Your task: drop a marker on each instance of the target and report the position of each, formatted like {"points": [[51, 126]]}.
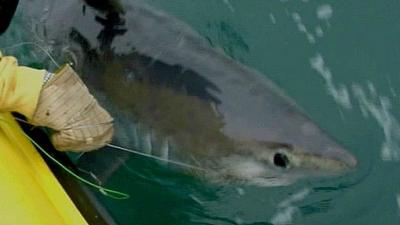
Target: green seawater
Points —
{"points": [[340, 61]]}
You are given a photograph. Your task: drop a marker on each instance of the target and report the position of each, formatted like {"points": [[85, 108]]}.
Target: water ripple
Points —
{"points": [[340, 94], [378, 107], [286, 208]]}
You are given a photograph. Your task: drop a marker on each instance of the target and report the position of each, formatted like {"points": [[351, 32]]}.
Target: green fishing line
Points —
{"points": [[105, 191]]}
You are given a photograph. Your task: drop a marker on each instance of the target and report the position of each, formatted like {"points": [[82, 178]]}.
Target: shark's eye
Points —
{"points": [[281, 160]]}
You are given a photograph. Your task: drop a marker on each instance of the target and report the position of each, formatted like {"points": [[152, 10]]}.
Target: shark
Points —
{"points": [[177, 98]]}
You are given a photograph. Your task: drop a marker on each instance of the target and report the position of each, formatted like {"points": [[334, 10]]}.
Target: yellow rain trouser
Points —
{"points": [[29, 192]]}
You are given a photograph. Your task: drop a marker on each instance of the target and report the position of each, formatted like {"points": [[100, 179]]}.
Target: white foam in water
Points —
{"points": [[296, 197], [284, 216], [379, 108], [240, 191], [238, 220], [319, 32], [340, 94], [296, 17], [310, 38], [302, 27], [324, 12], [272, 18], [286, 209], [230, 6], [196, 199]]}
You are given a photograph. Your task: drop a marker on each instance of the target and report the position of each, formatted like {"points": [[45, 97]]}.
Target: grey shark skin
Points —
{"points": [[175, 97]]}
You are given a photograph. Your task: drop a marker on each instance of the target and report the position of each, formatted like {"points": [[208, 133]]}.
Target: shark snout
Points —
{"points": [[340, 154]]}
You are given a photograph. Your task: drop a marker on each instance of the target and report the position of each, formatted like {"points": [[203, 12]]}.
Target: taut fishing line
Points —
{"points": [[154, 157]]}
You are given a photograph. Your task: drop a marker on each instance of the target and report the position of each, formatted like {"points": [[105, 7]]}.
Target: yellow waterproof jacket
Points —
{"points": [[19, 87], [29, 192]]}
